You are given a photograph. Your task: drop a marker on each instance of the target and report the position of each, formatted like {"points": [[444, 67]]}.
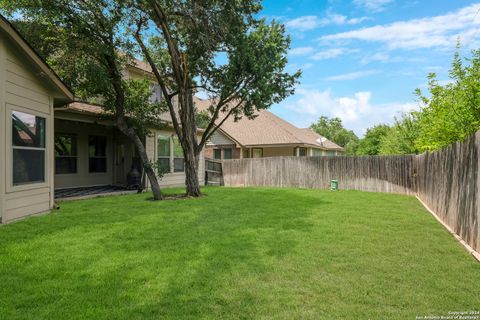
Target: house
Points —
{"points": [[50, 144], [266, 136]]}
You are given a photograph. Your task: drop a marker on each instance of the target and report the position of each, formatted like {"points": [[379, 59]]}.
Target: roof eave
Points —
{"points": [[66, 95]]}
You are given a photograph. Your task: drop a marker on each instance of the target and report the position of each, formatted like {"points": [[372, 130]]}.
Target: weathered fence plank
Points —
{"points": [[383, 174], [447, 180], [449, 183]]}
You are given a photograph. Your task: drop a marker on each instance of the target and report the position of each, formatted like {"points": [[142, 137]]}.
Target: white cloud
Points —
{"points": [[352, 75], [306, 23], [376, 57], [357, 111], [329, 54], [438, 31], [338, 19], [372, 5], [300, 51], [303, 23]]}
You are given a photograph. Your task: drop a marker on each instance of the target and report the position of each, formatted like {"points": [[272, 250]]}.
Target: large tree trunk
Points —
{"points": [[190, 143], [191, 175], [116, 78], [142, 152]]}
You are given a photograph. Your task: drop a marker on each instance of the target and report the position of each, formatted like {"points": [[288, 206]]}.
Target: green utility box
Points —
{"points": [[334, 185]]}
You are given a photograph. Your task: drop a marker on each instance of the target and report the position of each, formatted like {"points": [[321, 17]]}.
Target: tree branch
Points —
{"points": [[175, 56], [206, 135], [159, 78]]}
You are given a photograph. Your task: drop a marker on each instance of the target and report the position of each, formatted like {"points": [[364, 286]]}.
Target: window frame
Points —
{"points": [[215, 153], [156, 93], [97, 157], [171, 157], [174, 157], [75, 136], [253, 153], [158, 136], [10, 186], [231, 153], [300, 151]]}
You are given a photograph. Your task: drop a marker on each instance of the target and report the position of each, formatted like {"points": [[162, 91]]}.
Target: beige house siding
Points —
{"points": [[83, 177], [21, 90], [278, 152], [2, 126], [219, 139]]}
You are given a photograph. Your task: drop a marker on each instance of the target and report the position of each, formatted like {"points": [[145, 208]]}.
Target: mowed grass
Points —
{"points": [[236, 253]]}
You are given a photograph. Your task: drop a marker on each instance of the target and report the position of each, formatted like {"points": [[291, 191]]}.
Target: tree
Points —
{"points": [[333, 130], [451, 112], [402, 136], [370, 143], [219, 47], [88, 40]]}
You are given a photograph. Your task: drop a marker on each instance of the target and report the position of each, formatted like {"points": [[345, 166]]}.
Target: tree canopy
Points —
{"points": [[370, 143], [220, 47], [450, 112], [333, 129]]}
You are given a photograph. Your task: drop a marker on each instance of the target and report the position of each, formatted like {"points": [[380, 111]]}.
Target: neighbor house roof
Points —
{"points": [[83, 107], [66, 95], [268, 129]]}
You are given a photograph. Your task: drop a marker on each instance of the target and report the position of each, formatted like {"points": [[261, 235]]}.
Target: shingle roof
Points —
{"points": [[84, 107], [142, 65], [97, 110], [269, 129]]}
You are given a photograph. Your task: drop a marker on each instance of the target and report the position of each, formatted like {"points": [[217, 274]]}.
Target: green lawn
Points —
{"points": [[236, 253]]}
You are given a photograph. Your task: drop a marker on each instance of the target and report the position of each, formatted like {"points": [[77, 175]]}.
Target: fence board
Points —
{"points": [[447, 180], [383, 174]]}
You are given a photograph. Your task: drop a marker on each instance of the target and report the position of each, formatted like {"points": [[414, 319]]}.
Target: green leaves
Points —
{"points": [[451, 112], [333, 130], [401, 137], [370, 144]]}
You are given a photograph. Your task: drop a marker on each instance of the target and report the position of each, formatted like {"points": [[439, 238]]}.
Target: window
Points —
{"points": [[317, 152], [28, 144], [227, 153], [163, 154], [178, 161], [246, 153], [156, 96], [217, 154], [257, 153], [302, 152], [65, 153], [97, 153]]}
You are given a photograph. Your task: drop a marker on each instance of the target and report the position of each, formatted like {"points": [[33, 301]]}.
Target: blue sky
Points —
{"points": [[362, 59]]}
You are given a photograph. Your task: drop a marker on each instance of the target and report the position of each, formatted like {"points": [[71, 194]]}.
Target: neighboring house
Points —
{"points": [[265, 136], [49, 143]]}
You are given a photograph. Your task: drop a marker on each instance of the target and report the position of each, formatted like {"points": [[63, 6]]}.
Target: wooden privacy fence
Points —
{"points": [[446, 180]]}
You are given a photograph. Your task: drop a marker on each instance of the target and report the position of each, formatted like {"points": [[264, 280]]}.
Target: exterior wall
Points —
{"points": [[21, 90], [267, 151], [2, 126], [175, 179], [210, 151], [219, 139], [278, 152], [319, 152], [83, 177]]}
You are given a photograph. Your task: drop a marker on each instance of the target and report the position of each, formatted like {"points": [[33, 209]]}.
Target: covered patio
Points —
{"points": [[91, 192]]}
